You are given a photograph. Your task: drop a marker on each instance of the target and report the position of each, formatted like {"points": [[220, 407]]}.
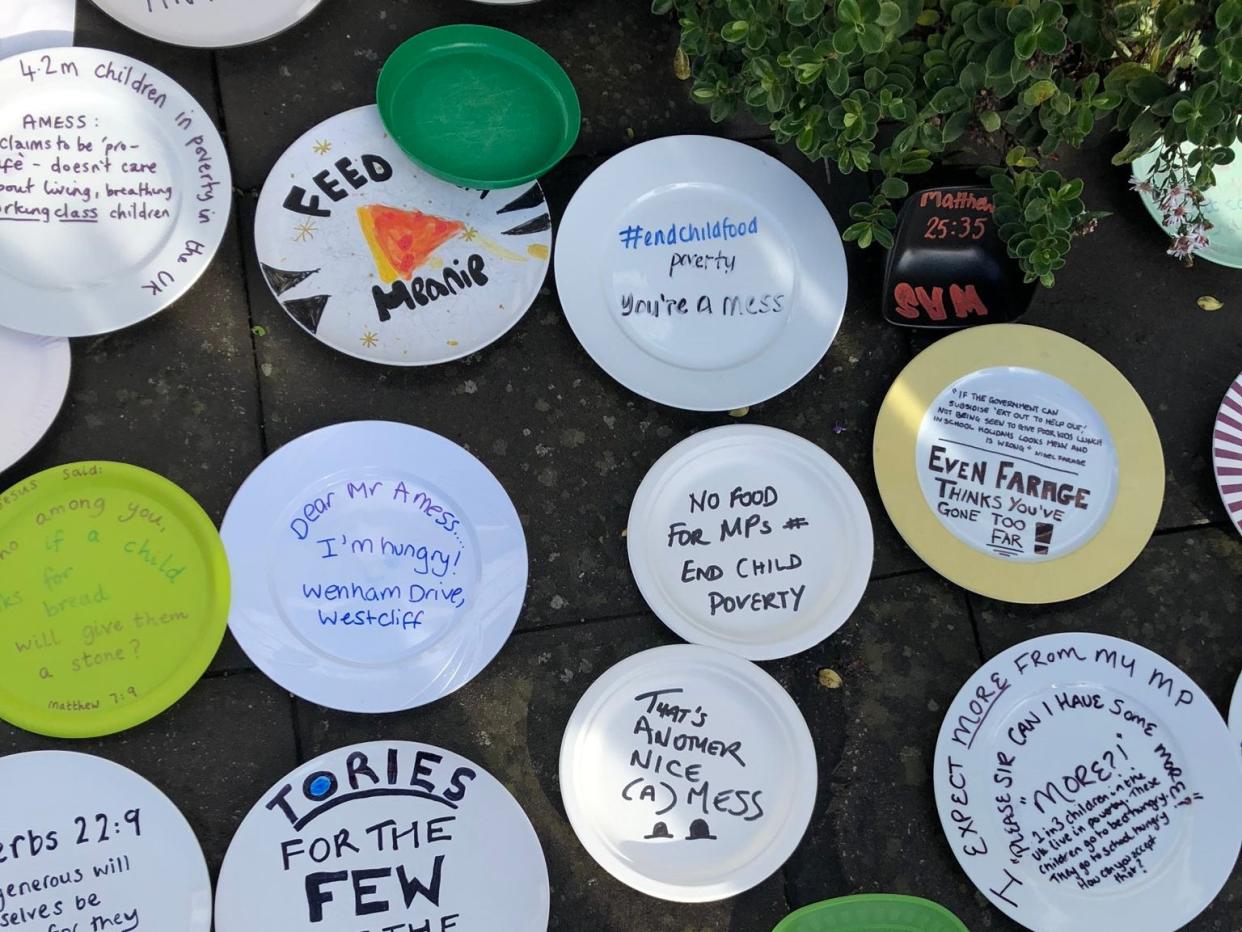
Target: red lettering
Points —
{"points": [[933, 304], [906, 305], [967, 301]]}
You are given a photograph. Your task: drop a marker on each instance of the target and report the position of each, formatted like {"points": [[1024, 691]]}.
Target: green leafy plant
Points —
{"points": [[891, 85]]}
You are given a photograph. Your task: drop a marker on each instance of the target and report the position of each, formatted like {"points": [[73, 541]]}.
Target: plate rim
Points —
{"points": [[308, 8], [1129, 525], [51, 397]]}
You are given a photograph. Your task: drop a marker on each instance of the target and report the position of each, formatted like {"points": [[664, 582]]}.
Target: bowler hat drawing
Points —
{"points": [[700, 832], [660, 830]]}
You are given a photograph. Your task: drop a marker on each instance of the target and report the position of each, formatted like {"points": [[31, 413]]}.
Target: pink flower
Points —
{"points": [[1181, 248], [1175, 213], [1143, 187]]}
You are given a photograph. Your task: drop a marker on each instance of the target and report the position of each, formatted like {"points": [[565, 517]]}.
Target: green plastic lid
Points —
{"points": [[872, 912], [114, 597], [479, 107]]}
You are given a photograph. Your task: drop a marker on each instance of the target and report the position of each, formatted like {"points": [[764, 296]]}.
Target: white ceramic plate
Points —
{"points": [[688, 773], [388, 834], [376, 566], [741, 304], [750, 539], [209, 24], [378, 259], [1227, 452], [99, 844], [36, 370], [1086, 783], [117, 194]]}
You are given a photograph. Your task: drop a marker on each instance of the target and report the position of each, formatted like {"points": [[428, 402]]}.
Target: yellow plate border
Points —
{"points": [[1140, 491]]}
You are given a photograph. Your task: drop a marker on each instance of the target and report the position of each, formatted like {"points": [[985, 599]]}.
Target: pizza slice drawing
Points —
{"points": [[402, 240]]}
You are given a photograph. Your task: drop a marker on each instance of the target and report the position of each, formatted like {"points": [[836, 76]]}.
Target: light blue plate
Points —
{"points": [[1223, 207]]}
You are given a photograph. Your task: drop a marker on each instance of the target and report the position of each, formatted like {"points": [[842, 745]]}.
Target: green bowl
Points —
{"points": [[872, 912], [477, 106]]}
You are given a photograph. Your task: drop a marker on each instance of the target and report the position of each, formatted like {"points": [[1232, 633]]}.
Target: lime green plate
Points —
{"points": [[872, 912], [114, 597], [479, 107]]}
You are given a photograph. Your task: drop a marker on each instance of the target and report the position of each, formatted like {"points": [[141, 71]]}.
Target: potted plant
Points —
{"points": [[891, 85]]}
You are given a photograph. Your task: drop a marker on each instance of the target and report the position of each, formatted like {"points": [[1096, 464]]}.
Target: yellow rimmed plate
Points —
{"points": [[1019, 464]]}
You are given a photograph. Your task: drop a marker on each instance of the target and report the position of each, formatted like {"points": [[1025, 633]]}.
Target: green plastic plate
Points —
{"points": [[872, 912], [478, 107], [114, 596]]}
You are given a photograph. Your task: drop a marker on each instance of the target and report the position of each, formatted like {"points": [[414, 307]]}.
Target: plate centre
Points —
{"points": [[700, 276], [372, 568], [1017, 464], [87, 188]]}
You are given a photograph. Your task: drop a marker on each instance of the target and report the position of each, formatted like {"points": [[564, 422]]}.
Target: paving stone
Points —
{"points": [[901, 659], [619, 56], [214, 753], [1174, 600], [510, 720]]}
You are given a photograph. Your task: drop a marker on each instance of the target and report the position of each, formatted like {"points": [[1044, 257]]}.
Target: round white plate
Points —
{"points": [[376, 566], [1227, 452], [750, 539], [114, 191], [1086, 783], [37, 372], [701, 273], [688, 773], [385, 835], [209, 24], [89, 844], [380, 260]]}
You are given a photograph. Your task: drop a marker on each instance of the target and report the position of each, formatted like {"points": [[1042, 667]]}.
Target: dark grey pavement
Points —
{"points": [[201, 393]]}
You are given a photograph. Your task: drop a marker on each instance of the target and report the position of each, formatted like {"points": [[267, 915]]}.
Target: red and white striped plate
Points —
{"points": [[1227, 452]]}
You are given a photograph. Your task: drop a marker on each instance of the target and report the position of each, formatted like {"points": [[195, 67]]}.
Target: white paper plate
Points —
{"points": [[209, 25], [1227, 452], [750, 539], [36, 370], [128, 194], [376, 566], [1049, 754], [740, 306], [378, 259], [98, 842], [712, 811], [345, 840]]}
